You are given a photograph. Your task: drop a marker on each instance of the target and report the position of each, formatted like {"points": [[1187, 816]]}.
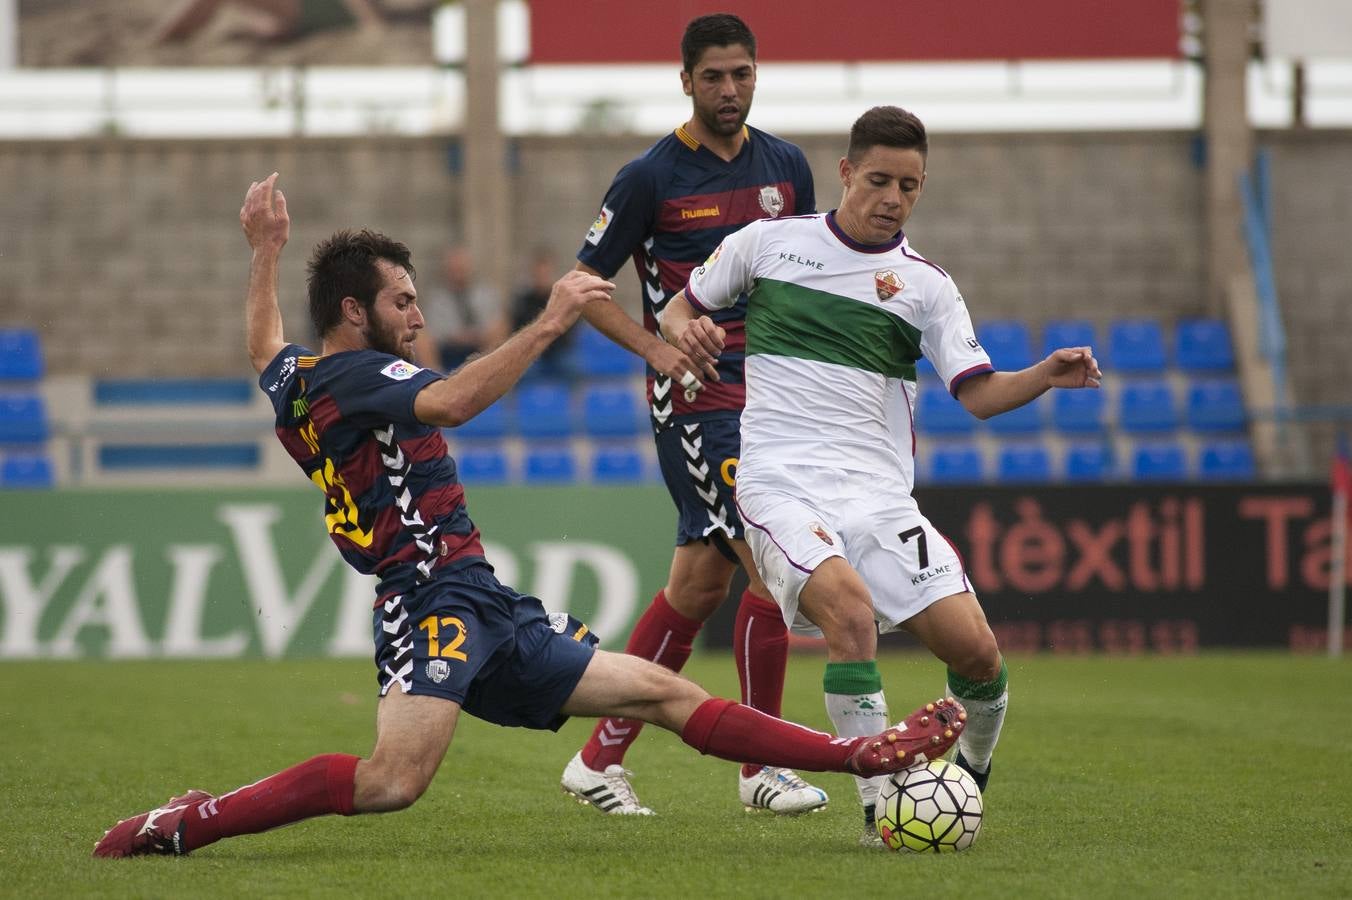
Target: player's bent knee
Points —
{"points": [[980, 660]]}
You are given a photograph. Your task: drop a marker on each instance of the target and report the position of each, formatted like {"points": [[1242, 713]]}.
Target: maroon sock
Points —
{"points": [[730, 730], [319, 786], [662, 635], [760, 642]]}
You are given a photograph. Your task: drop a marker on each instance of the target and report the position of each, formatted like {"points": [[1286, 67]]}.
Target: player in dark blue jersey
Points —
{"points": [[363, 421], [668, 210]]}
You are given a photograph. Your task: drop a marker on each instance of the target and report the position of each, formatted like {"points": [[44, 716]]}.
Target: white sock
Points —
{"points": [[860, 715], [984, 720]]}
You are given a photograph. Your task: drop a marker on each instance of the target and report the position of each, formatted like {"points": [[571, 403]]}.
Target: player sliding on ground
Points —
{"points": [[363, 421], [839, 310]]}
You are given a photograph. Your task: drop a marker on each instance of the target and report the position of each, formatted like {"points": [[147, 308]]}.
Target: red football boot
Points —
{"points": [[157, 831], [924, 735]]}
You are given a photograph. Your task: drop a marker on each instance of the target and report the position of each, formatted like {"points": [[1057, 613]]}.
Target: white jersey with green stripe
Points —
{"points": [[833, 332]]}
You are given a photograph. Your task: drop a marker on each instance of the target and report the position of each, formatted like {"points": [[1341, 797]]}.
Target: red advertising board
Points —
{"points": [[621, 31]]}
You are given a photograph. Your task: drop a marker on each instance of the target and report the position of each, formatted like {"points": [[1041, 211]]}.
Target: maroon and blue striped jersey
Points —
{"points": [[393, 504], [668, 210]]}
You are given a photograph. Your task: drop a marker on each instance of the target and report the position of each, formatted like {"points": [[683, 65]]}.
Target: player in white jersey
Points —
{"points": [[840, 308]]}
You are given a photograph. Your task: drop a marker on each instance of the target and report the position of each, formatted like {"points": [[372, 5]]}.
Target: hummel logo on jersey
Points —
{"points": [[887, 284], [802, 261]]}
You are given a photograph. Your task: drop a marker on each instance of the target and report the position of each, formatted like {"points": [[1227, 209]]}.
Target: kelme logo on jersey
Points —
{"points": [[772, 200], [887, 284], [399, 370], [598, 228], [820, 532]]}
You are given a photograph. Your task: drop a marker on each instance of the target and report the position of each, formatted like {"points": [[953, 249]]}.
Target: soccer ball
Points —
{"points": [[935, 807]]}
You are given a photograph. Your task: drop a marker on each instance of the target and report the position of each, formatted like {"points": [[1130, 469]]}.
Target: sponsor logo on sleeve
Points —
{"points": [[288, 366], [399, 370], [887, 284], [771, 200], [817, 529], [598, 228]]}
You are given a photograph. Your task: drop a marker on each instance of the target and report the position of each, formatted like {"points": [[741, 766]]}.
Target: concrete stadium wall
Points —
{"points": [[128, 257]]}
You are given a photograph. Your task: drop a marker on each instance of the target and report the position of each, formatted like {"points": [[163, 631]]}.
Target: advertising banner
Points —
{"points": [[217, 573]]}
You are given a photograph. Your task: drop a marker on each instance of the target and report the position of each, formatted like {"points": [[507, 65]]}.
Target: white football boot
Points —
{"points": [[608, 791], [780, 791]]}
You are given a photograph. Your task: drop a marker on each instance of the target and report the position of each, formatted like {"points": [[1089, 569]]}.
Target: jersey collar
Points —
{"points": [[688, 139], [850, 242]]}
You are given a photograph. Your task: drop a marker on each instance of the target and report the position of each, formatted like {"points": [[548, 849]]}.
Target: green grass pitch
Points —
{"points": [[1224, 775]]}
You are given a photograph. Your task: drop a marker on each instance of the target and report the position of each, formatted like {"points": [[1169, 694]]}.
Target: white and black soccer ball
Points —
{"points": [[934, 808]]}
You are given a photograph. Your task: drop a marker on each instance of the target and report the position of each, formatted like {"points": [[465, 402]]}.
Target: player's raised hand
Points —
{"points": [[1073, 367], [572, 292], [263, 215]]}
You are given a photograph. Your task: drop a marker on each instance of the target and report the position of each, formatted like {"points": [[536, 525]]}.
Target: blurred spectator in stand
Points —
{"points": [[271, 20], [461, 313], [527, 303]]}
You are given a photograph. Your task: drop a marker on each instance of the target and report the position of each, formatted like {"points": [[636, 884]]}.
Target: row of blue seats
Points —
{"points": [[1226, 459], [1144, 406], [622, 463], [1132, 345]]}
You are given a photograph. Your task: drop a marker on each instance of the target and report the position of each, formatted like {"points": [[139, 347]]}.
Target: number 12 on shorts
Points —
{"points": [[921, 545], [433, 625]]}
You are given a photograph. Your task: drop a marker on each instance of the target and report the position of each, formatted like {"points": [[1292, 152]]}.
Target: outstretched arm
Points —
{"points": [[996, 392], [616, 324], [267, 227], [473, 387]]}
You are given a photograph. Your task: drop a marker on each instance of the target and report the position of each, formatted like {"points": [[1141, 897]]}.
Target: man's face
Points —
{"points": [[881, 190], [394, 320], [720, 87]]}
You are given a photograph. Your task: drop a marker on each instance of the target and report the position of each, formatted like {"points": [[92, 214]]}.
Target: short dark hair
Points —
{"points": [[714, 30], [345, 266], [887, 126]]}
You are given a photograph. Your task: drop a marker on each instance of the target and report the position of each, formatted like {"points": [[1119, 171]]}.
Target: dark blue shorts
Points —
{"points": [[469, 638], [699, 465]]}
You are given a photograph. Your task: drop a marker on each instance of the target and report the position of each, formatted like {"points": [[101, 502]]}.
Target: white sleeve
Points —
{"points": [[728, 273], [948, 339]]}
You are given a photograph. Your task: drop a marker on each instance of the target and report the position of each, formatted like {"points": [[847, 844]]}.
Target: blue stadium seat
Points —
{"points": [[612, 410], [937, 412], [1007, 343], [595, 355], [23, 419], [1058, 333], [1147, 407], [1159, 461], [617, 464], [1203, 345], [550, 465], [20, 355], [179, 456], [1078, 412], [959, 463], [1026, 419], [1089, 461], [1226, 460], [1023, 463], [494, 422], [483, 464], [173, 391], [1216, 405], [1135, 345], [26, 470], [544, 410]]}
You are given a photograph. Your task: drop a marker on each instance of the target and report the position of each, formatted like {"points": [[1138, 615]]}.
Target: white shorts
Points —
{"points": [[797, 517]]}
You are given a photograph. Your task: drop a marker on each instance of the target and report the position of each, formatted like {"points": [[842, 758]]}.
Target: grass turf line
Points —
{"points": [[1219, 775]]}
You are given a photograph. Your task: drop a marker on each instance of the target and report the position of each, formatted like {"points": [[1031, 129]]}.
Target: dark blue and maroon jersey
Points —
{"points": [[668, 210], [393, 504]]}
